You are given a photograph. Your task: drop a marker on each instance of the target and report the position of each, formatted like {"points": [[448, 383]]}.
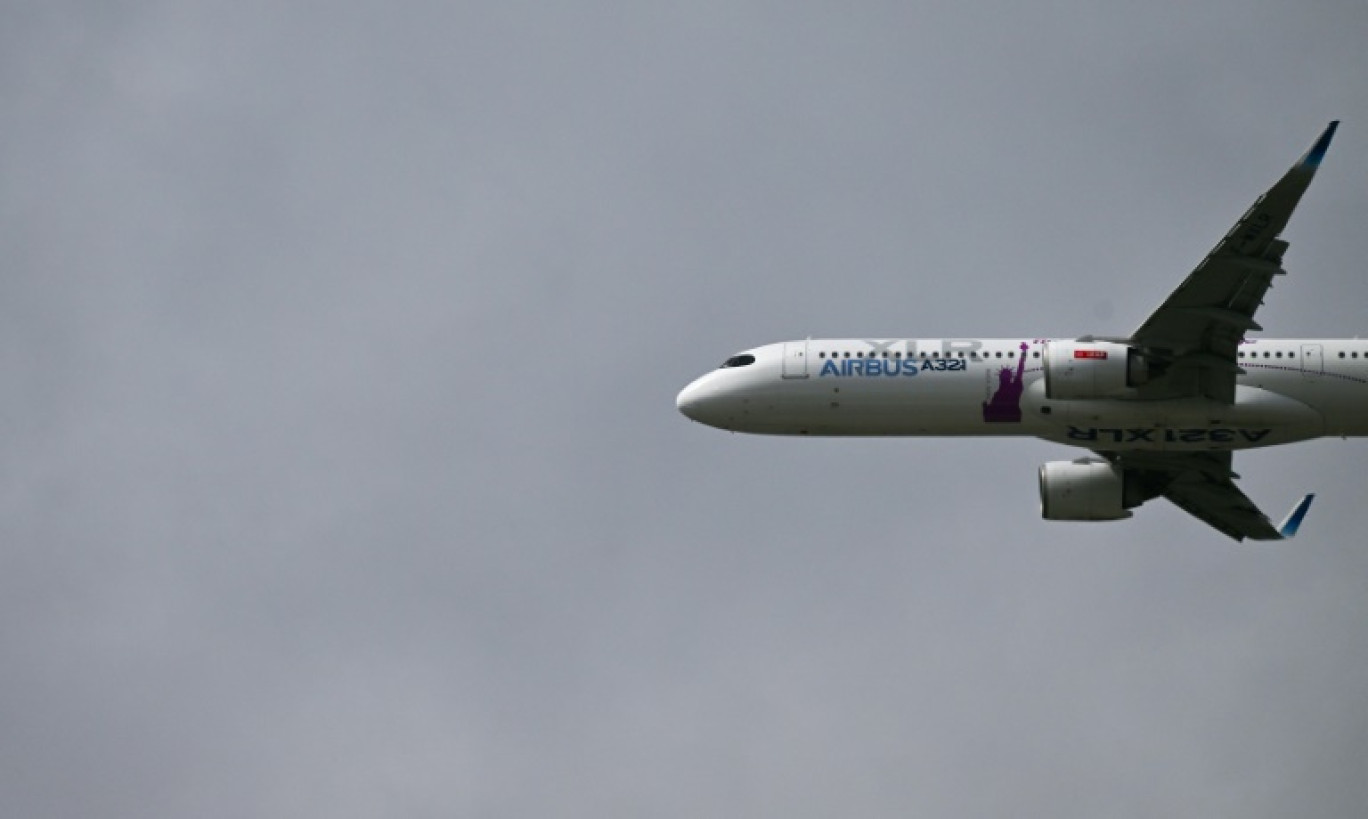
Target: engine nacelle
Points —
{"points": [[1092, 369], [1082, 490]]}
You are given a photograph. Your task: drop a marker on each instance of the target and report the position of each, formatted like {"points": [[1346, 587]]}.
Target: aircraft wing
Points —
{"points": [[1192, 338], [1203, 485]]}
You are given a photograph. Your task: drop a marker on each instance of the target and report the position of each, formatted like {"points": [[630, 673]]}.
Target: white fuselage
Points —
{"points": [[1290, 390]]}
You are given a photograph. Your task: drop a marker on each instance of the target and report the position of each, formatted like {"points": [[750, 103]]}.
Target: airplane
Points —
{"points": [[1162, 410]]}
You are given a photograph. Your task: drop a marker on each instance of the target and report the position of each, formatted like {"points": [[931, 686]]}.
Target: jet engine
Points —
{"points": [[1092, 369], [1086, 489]]}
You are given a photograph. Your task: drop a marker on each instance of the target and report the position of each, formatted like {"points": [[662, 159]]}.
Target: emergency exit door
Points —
{"points": [[795, 359]]}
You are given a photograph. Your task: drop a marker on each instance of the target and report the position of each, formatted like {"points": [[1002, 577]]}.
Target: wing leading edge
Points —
{"points": [[1193, 336]]}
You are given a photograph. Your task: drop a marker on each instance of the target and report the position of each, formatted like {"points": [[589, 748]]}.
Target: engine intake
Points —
{"points": [[1083, 490], [1092, 369]]}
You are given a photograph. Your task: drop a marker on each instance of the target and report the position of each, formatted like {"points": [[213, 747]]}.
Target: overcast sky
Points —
{"points": [[341, 471]]}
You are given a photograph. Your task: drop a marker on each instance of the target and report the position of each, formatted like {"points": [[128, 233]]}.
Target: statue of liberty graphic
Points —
{"points": [[1004, 407]]}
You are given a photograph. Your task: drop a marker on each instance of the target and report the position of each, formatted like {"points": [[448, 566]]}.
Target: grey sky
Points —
{"points": [[342, 474]]}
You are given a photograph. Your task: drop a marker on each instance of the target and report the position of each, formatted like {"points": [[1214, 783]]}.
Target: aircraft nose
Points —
{"points": [[690, 401], [702, 402]]}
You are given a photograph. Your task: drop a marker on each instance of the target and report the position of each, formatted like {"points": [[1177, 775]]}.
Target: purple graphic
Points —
{"points": [[1004, 407]]}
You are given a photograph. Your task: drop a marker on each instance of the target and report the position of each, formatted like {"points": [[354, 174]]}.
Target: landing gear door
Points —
{"points": [[795, 359]]}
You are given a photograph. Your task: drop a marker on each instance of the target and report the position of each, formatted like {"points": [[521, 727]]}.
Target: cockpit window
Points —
{"points": [[738, 361]]}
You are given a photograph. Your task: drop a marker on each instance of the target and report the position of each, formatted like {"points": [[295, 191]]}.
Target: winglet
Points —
{"points": [[1294, 518], [1313, 157]]}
